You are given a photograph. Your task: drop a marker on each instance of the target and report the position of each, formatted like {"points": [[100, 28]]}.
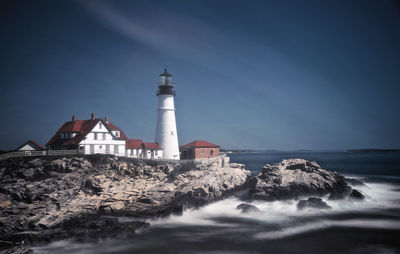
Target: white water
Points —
{"points": [[288, 217], [275, 220]]}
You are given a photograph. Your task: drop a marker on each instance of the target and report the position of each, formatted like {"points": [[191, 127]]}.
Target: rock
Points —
{"points": [[295, 178], [246, 208], [64, 197], [340, 193], [312, 203], [356, 194]]}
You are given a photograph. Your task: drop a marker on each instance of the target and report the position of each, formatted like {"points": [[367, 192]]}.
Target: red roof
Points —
{"points": [[115, 128], [200, 143], [81, 128], [34, 143], [152, 146], [133, 143]]}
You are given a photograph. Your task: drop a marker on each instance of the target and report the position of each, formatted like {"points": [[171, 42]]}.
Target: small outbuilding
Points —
{"points": [[152, 150], [199, 149], [31, 145], [134, 148]]}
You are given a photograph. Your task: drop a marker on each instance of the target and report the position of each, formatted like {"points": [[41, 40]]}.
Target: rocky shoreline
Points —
{"points": [[45, 198], [42, 199]]}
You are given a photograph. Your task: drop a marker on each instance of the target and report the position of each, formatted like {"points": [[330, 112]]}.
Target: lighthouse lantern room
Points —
{"points": [[166, 133]]}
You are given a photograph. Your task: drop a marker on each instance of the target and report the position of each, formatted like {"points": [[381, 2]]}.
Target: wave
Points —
{"points": [[378, 196]]}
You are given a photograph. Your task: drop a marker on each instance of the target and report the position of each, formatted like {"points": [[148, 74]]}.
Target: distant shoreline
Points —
{"points": [[371, 150]]}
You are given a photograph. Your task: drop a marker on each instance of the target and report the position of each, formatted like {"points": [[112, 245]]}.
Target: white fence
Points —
{"points": [[36, 153]]}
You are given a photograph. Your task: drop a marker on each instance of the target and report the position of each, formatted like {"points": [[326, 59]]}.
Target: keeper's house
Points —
{"points": [[199, 149], [98, 135]]}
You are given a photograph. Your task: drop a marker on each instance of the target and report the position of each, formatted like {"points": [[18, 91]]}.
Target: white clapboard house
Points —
{"points": [[97, 135]]}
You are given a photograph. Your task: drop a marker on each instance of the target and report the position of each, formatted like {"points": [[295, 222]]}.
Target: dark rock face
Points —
{"points": [[312, 203], [246, 208], [47, 197], [297, 178], [356, 194]]}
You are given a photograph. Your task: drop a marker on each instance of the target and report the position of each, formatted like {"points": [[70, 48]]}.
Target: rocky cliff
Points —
{"points": [[46, 197]]}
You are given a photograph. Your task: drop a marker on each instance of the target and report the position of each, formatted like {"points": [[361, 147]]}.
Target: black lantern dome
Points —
{"points": [[166, 85]]}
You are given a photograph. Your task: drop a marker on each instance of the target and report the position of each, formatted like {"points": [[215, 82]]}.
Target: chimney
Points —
{"points": [[106, 119], [92, 116], [73, 118]]}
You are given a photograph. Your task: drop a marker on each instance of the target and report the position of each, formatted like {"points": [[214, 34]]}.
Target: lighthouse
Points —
{"points": [[166, 134]]}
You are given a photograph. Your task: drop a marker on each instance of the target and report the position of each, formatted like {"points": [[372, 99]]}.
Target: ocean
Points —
{"points": [[368, 226]]}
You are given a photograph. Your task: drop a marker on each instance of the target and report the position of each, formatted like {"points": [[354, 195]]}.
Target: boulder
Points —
{"points": [[246, 208], [295, 178], [356, 194], [312, 203]]}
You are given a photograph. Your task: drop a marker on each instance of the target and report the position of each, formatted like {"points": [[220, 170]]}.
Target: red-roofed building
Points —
{"points": [[199, 149], [89, 136], [134, 148], [31, 145], [98, 135]]}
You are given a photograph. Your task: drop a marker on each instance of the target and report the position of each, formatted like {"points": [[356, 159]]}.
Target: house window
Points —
{"points": [[172, 133], [212, 152], [95, 136], [104, 136], [100, 125], [115, 148], [202, 151], [100, 147], [117, 133], [107, 149]]}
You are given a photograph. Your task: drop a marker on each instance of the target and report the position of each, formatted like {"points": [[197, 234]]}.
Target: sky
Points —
{"points": [[283, 75]]}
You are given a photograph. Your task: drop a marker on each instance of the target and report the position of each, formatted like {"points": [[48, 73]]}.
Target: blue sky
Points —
{"points": [[249, 74]]}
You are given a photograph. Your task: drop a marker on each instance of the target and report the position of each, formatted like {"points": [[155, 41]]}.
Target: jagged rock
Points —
{"points": [[295, 178], [246, 208], [312, 203], [47, 197]]}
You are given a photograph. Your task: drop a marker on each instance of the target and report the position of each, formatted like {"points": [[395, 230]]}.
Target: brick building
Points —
{"points": [[199, 149]]}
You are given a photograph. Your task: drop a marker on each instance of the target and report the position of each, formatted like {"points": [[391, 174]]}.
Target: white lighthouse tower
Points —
{"points": [[166, 134]]}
